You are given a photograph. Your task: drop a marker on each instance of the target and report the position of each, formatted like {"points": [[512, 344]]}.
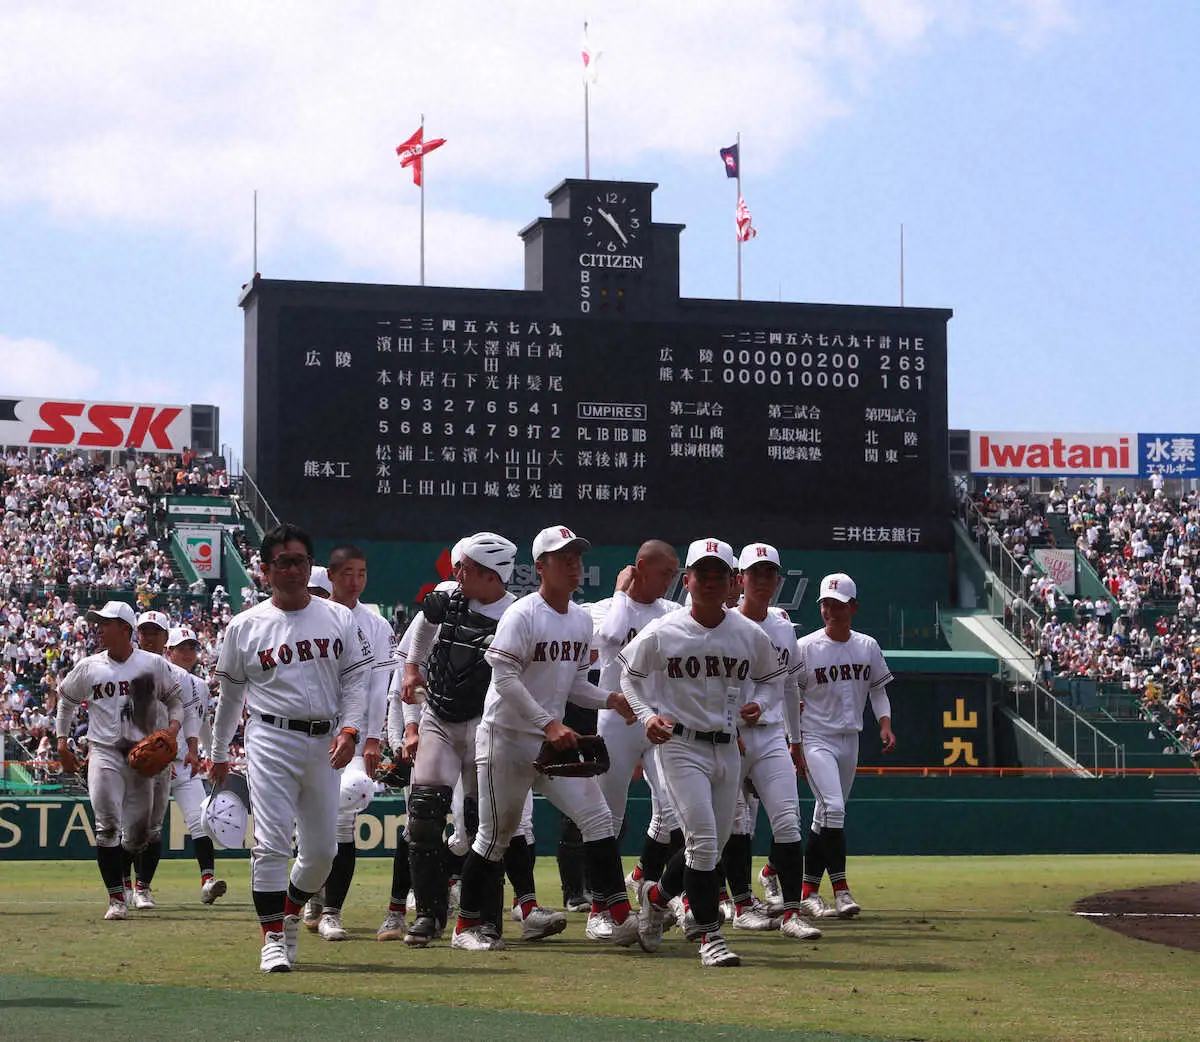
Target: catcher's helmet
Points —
{"points": [[491, 551]]}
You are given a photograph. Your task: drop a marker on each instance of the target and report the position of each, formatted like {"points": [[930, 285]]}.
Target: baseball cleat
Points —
{"points": [[576, 903], [715, 952], [799, 928], [845, 907], [772, 889], [814, 907], [117, 909], [541, 922], [291, 936], [211, 890], [685, 919], [476, 939], [274, 957], [142, 898], [424, 931], [314, 908], [129, 897], [411, 900], [393, 927], [752, 918], [727, 910], [626, 933], [651, 920], [331, 929], [633, 881], [515, 914], [599, 927]]}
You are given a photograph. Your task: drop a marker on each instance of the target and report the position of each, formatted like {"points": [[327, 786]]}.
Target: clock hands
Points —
{"points": [[613, 221]]}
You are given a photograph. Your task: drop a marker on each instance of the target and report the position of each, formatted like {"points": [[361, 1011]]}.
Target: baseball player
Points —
{"points": [[838, 670], [300, 666], [125, 689], [692, 677], [637, 600], [347, 576], [767, 761], [187, 788], [540, 658], [451, 635]]}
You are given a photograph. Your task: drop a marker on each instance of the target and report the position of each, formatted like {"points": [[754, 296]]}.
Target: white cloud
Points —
{"points": [[172, 114], [25, 361]]}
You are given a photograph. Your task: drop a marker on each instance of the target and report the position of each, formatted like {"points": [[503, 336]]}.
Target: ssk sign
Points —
{"points": [[1054, 454], [50, 423]]}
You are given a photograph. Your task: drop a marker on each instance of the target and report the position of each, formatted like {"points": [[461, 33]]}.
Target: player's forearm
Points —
{"points": [[377, 703], [424, 633], [352, 708], [507, 680], [62, 718], [791, 711], [586, 694], [632, 689], [229, 713], [612, 630], [881, 705]]}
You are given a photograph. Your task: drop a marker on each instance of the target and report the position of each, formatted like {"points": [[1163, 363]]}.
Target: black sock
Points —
{"points": [[814, 860], [570, 860], [111, 861], [703, 890], [269, 906], [146, 862], [341, 873], [789, 863], [206, 855], [401, 873], [834, 845], [671, 881], [654, 857], [519, 870], [736, 865], [603, 860]]}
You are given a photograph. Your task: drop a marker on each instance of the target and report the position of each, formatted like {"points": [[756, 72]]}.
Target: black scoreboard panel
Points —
{"points": [[419, 414]]}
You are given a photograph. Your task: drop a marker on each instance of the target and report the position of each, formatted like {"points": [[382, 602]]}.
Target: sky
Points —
{"points": [[1041, 156]]}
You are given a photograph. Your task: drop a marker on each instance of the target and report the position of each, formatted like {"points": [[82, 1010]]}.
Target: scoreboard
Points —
{"points": [[599, 398]]}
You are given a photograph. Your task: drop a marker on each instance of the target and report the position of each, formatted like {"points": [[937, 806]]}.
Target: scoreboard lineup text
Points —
{"points": [[419, 413]]}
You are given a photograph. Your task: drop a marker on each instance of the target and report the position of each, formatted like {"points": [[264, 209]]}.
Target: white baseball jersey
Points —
{"points": [[115, 716], [311, 664], [696, 676], [540, 660], [613, 628], [381, 638], [783, 703], [835, 678], [194, 693]]}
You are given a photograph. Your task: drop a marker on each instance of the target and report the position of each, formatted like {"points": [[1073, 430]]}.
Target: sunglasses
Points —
{"points": [[285, 562]]}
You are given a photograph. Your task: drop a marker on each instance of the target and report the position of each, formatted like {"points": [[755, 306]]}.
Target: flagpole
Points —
{"points": [[256, 231], [587, 133], [421, 167], [739, 192]]}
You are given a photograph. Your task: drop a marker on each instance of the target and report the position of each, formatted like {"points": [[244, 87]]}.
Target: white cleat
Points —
{"points": [[314, 908], [515, 914], [393, 928], [633, 881], [129, 896], [599, 926], [652, 920], [331, 929], [476, 939], [541, 922], [772, 889], [211, 890], [814, 907], [626, 933], [715, 952], [291, 936], [685, 919], [117, 909], [274, 957], [578, 904], [798, 928], [752, 918], [845, 907], [142, 898]]}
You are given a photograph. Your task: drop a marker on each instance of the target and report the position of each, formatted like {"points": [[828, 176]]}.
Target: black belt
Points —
{"points": [[312, 728], [712, 737]]}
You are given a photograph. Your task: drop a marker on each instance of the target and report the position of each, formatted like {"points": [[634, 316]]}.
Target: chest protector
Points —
{"points": [[458, 676]]}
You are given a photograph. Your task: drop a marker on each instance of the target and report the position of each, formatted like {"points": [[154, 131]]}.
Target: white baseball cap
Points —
{"points": [[181, 635], [155, 618], [319, 580], [715, 548], [114, 610], [557, 537], [757, 553], [838, 586]]}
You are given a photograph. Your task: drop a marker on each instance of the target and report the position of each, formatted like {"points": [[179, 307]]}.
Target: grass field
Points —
{"points": [[967, 948]]}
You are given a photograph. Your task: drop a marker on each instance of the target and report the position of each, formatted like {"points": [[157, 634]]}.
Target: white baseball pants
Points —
{"points": [[627, 745], [830, 762], [122, 800], [768, 765], [702, 783]]}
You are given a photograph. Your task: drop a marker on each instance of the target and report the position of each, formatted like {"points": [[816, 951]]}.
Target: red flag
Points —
{"points": [[745, 229], [413, 151]]}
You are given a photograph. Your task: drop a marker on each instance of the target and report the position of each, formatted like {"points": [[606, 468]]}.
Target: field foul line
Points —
{"points": [[1139, 915]]}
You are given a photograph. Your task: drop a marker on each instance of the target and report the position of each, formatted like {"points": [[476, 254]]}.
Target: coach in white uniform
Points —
{"points": [[692, 677], [300, 665], [839, 670], [540, 657], [125, 689]]}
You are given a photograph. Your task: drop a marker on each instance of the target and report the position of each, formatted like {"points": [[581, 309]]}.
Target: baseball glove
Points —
{"points": [[586, 760], [153, 753]]}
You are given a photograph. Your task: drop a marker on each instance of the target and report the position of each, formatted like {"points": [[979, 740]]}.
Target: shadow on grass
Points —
{"points": [[54, 1002]]}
